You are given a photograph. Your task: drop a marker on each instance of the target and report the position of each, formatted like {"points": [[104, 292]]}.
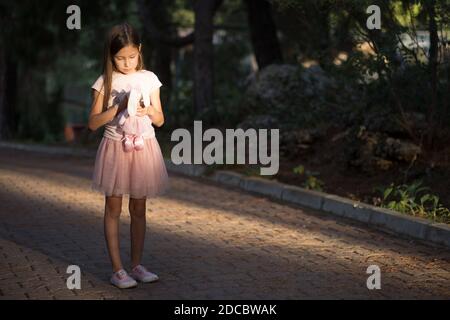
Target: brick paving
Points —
{"points": [[203, 240]]}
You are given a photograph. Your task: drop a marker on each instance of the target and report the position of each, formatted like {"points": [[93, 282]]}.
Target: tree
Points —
{"points": [[201, 37], [263, 32], [203, 54], [34, 39], [155, 20], [430, 7]]}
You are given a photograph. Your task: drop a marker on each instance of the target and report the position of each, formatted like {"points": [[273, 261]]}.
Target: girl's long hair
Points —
{"points": [[119, 36]]}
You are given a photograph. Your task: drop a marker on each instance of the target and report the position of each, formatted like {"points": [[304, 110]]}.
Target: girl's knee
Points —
{"points": [[137, 211], [137, 214], [113, 212], [113, 207], [137, 208]]}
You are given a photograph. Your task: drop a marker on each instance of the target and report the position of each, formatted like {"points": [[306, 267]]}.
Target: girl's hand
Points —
{"points": [[123, 104], [145, 111]]}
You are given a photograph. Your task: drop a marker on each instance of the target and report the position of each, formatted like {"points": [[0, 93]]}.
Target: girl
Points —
{"points": [[117, 172]]}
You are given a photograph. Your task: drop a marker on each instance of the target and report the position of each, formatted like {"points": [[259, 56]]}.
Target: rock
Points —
{"points": [[383, 164], [374, 151], [379, 120], [402, 150], [298, 141], [366, 154], [393, 124]]}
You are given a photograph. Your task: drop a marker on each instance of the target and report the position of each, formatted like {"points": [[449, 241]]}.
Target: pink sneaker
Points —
{"points": [[122, 280], [143, 275], [128, 142], [138, 143]]}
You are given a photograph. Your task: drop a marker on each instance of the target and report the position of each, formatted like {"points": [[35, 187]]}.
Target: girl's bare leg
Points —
{"points": [[113, 208], [137, 209]]}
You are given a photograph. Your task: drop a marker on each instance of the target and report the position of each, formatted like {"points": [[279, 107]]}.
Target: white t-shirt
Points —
{"points": [[119, 88]]}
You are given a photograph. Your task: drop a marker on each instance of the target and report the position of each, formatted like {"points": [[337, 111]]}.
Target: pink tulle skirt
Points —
{"points": [[139, 174]]}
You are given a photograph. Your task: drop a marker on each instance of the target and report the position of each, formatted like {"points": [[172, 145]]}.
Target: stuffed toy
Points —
{"points": [[131, 124]]}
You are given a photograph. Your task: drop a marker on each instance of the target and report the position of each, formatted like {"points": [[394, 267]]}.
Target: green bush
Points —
{"points": [[413, 200], [311, 181]]}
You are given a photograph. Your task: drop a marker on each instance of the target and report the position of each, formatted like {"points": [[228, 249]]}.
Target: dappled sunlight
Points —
{"points": [[249, 232], [199, 233]]}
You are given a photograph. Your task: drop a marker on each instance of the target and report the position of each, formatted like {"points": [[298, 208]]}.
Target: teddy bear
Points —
{"points": [[132, 125]]}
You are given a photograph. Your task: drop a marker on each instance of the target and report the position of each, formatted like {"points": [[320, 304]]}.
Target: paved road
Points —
{"points": [[203, 240]]}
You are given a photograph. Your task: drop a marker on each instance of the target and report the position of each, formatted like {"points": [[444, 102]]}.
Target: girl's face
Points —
{"points": [[127, 59]]}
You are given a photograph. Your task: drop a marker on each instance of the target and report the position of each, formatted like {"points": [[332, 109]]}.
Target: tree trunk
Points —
{"points": [[3, 119], [163, 59], [323, 21], [202, 38], [432, 63], [263, 32], [8, 83], [154, 14], [153, 31], [203, 55]]}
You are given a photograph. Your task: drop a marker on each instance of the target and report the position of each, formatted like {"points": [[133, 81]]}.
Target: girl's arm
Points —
{"points": [[97, 118]]}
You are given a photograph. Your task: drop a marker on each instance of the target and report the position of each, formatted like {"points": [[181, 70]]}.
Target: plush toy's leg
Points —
{"points": [[138, 143], [138, 139], [128, 142]]}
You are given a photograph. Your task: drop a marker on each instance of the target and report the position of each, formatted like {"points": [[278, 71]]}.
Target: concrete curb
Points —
{"points": [[414, 227], [186, 169], [50, 149], [383, 218]]}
